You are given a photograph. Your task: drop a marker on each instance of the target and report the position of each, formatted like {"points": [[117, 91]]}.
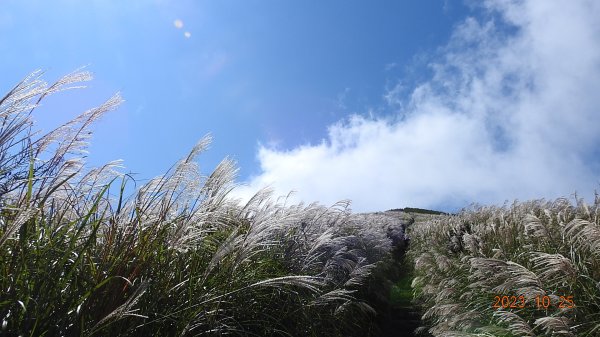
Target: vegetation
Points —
{"points": [[179, 257], [531, 269], [418, 211]]}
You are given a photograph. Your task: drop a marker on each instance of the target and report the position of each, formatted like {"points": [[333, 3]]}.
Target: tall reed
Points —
{"points": [[179, 257], [540, 252]]}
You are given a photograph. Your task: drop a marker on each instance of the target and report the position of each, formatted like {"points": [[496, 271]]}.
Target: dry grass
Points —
{"points": [[531, 249], [177, 258]]}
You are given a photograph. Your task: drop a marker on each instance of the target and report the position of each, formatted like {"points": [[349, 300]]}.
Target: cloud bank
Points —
{"points": [[512, 111]]}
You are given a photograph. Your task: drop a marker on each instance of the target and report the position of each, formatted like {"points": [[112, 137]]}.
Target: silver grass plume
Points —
{"points": [[560, 326], [584, 235], [516, 324]]}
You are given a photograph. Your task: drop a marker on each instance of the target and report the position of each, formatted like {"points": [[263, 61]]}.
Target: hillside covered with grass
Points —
{"points": [[181, 257], [526, 269]]}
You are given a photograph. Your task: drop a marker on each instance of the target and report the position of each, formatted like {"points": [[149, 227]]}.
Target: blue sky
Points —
{"points": [[390, 104]]}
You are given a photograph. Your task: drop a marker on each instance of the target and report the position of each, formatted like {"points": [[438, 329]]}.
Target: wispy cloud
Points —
{"points": [[390, 66], [341, 98], [510, 112]]}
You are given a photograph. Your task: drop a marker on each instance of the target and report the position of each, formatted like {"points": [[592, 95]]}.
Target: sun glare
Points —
{"points": [[178, 24]]}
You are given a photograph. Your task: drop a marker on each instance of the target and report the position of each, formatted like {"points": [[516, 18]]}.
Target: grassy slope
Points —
{"points": [[532, 249], [178, 258]]}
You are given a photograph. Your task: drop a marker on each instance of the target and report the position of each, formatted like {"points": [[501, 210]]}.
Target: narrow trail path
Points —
{"points": [[402, 317], [404, 323], [397, 316]]}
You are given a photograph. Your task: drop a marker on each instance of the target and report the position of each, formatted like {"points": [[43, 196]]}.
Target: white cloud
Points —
{"points": [[505, 116]]}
